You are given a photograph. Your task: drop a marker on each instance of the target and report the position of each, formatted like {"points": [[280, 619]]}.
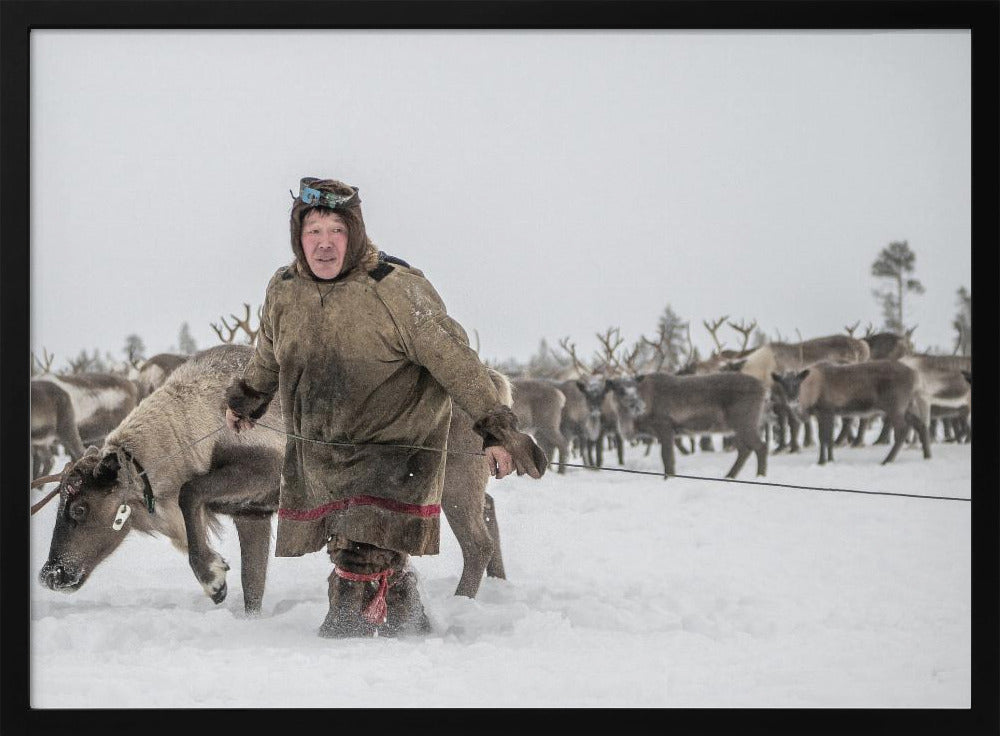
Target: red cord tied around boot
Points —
{"points": [[376, 611]]}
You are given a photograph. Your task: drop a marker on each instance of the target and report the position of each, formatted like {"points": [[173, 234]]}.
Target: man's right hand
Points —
{"points": [[236, 422]]}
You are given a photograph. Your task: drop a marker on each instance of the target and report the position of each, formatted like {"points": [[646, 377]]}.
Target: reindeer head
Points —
{"points": [[96, 497], [789, 384], [626, 391]]}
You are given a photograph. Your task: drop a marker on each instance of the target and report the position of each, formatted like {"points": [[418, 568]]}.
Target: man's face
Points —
{"points": [[324, 242]]}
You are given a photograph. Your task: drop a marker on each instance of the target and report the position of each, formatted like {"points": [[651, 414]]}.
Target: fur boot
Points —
{"points": [[354, 603], [405, 613], [344, 617]]}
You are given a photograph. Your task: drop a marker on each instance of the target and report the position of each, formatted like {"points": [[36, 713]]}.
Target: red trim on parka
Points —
{"points": [[429, 510]]}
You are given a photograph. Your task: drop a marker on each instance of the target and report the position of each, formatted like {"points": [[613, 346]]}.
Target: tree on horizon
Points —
{"points": [[895, 262]]}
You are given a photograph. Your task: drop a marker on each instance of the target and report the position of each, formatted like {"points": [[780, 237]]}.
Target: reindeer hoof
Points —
{"points": [[220, 595]]}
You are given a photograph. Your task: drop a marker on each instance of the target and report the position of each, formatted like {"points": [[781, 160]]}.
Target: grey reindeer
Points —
{"points": [[885, 387], [677, 405], [155, 453]]}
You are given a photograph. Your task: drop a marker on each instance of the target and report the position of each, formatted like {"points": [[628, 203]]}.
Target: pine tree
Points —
{"points": [[668, 350], [544, 362], [963, 323], [135, 349], [895, 262], [185, 341]]}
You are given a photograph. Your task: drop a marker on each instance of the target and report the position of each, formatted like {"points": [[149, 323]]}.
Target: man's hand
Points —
{"points": [[236, 422], [500, 461]]}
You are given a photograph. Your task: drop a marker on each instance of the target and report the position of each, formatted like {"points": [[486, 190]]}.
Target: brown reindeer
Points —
{"points": [[580, 422], [615, 360], [53, 423], [783, 357], [941, 384], [776, 357], [153, 372], [884, 387], [94, 402], [942, 388], [882, 346], [889, 345], [166, 450], [538, 404], [721, 360], [721, 402]]}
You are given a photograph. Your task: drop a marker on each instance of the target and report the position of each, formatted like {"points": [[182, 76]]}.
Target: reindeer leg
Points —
{"points": [[742, 453], [208, 565], [761, 452], [679, 444], [793, 432], [966, 430], [620, 447], [825, 431], [254, 531], [859, 438], [494, 568], [807, 434], [899, 427], [883, 437], [243, 477], [563, 446], [844, 436], [782, 424], [463, 503], [667, 452], [549, 441], [921, 430]]}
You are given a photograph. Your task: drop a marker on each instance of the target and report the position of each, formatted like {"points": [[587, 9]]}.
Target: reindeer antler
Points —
{"points": [[44, 365], [608, 361], [39, 482], [80, 364], [660, 355], [850, 329], [570, 348], [713, 328], [628, 364], [745, 330], [869, 330], [239, 324]]}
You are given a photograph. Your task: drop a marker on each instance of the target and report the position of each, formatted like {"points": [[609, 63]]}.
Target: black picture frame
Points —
{"points": [[19, 18]]}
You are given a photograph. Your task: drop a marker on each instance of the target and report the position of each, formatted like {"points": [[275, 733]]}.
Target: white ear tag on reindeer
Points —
{"points": [[120, 518]]}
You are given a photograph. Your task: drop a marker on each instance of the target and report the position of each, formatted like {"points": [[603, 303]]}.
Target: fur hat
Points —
{"points": [[348, 207]]}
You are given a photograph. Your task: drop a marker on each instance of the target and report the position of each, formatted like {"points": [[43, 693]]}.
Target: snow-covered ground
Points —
{"points": [[623, 590]]}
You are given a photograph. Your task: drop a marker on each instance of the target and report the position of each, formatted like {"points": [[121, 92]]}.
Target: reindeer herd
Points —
{"points": [[145, 453], [748, 395]]}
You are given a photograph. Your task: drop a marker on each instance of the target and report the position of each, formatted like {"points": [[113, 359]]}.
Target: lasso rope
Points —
{"points": [[826, 489], [637, 472]]}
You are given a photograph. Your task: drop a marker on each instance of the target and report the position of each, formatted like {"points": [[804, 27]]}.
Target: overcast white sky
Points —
{"points": [[549, 183]]}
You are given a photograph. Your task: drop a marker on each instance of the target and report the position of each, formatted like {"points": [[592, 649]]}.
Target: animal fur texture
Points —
{"points": [[197, 469]]}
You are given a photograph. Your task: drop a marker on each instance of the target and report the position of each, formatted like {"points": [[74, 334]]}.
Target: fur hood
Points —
{"points": [[360, 249]]}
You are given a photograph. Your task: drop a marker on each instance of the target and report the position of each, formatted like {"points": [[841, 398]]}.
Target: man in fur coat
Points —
{"points": [[365, 362]]}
